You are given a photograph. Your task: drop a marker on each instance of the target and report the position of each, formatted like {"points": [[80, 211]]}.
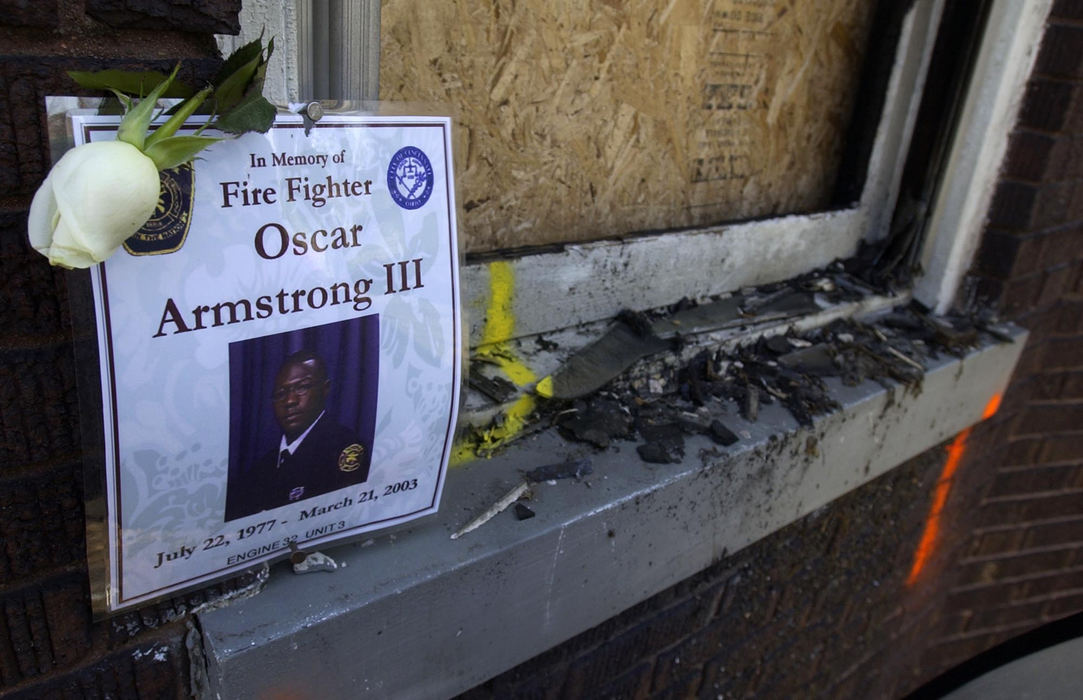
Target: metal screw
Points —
{"points": [[314, 111]]}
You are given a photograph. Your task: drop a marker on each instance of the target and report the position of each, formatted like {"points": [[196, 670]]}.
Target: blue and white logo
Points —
{"points": [[409, 178]]}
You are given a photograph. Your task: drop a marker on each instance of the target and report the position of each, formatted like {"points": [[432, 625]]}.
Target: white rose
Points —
{"points": [[93, 199]]}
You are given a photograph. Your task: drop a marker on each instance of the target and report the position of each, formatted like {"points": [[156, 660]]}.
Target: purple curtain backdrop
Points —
{"points": [[351, 351]]}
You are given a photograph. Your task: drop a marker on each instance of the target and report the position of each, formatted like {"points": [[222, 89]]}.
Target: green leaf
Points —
{"points": [[242, 74], [129, 82], [176, 150], [187, 108], [242, 56], [231, 91], [261, 71], [112, 105], [124, 100], [255, 113], [133, 128]]}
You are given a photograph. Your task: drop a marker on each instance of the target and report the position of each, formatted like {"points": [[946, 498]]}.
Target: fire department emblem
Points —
{"points": [[167, 227], [350, 459]]}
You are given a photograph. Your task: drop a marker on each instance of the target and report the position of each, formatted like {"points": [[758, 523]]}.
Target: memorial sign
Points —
{"points": [[278, 349]]}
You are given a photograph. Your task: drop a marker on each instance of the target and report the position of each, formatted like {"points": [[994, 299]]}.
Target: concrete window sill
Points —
{"points": [[416, 614]]}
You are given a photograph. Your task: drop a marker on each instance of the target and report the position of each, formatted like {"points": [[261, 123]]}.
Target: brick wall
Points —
{"points": [[49, 646], [823, 608]]}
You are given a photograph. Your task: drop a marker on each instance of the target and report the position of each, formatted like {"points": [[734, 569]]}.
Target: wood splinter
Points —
{"points": [[493, 510]]}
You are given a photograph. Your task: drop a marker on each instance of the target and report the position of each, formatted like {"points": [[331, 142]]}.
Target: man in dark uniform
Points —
{"points": [[315, 454]]}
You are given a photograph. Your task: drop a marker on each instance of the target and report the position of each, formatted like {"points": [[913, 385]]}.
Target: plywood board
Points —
{"points": [[587, 120]]}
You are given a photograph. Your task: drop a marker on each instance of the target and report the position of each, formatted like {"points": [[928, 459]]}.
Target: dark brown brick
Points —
{"points": [[29, 13], [685, 686], [1040, 387], [1075, 210], [996, 542], [948, 653], [36, 318], [67, 611], [1021, 451], [634, 684], [153, 669], [25, 81], [1063, 606], [207, 16], [1004, 255], [1032, 509], [1065, 162], [1077, 286], [1013, 565], [541, 683], [41, 522], [1055, 283], [1051, 418], [1055, 206], [1061, 247], [1061, 448], [45, 627], [1007, 616], [1046, 104], [1021, 294], [38, 406], [1023, 391], [1029, 155], [621, 653], [1054, 585], [1069, 318], [1067, 9], [692, 652], [1063, 353], [1060, 55], [1014, 205], [1035, 480], [1032, 361], [1072, 388], [725, 681]]}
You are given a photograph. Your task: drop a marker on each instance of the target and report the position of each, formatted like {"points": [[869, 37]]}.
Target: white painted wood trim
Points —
{"points": [[339, 49], [901, 104], [1007, 54], [593, 281]]}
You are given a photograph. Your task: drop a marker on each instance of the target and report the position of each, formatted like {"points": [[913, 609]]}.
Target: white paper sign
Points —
{"points": [[279, 348]]}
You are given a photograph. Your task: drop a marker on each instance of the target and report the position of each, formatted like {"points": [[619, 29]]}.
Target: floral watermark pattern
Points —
{"points": [[99, 194]]}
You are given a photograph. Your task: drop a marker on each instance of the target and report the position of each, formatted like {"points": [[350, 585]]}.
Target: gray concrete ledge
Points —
{"points": [[416, 614]]}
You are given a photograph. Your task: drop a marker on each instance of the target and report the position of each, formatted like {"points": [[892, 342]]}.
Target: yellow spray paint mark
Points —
{"points": [[499, 328], [545, 388]]}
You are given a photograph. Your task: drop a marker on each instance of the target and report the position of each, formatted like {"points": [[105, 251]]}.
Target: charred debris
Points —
{"points": [[594, 399]]}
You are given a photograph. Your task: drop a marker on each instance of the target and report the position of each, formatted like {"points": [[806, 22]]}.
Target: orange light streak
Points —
{"points": [[931, 534]]}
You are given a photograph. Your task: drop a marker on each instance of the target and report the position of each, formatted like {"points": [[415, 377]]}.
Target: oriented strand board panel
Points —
{"points": [[586, 119]]}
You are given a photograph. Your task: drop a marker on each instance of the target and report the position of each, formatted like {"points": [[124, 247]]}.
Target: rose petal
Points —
{"points": [[70, 258], [105, 191], [43, 214]]}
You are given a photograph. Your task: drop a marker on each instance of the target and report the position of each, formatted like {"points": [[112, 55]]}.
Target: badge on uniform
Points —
{"points": [[350, 459]]}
